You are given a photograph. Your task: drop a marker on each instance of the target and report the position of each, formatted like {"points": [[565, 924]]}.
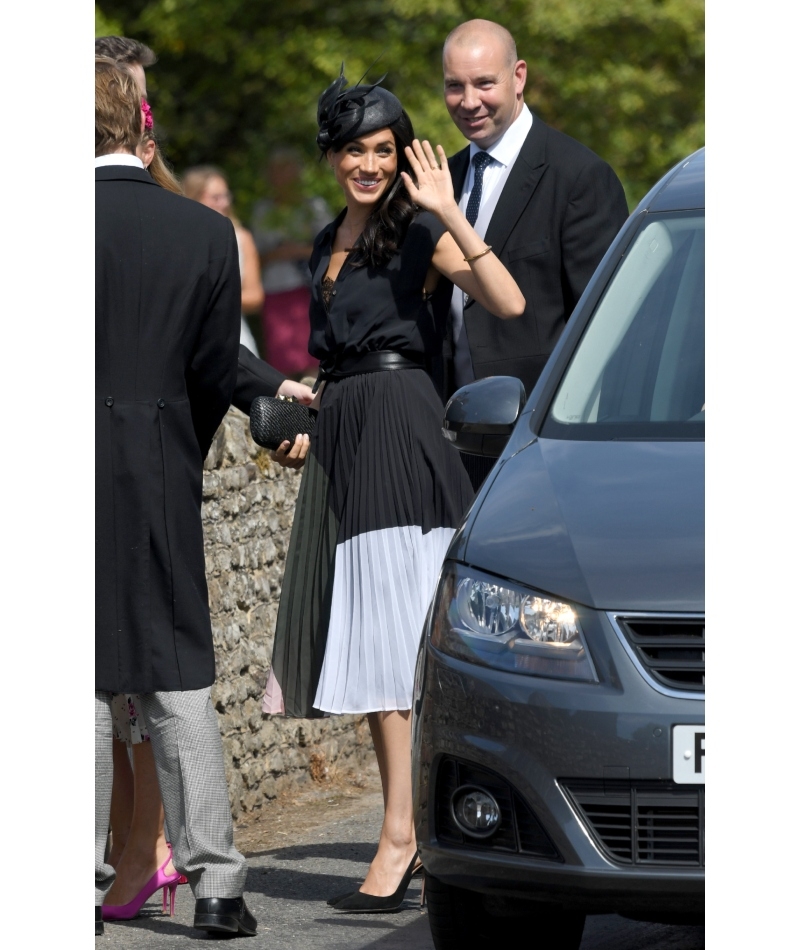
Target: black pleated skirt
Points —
{"points": [[382, 495]]}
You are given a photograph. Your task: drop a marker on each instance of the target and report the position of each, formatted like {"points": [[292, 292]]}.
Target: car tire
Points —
{"points": [[464, 920]]}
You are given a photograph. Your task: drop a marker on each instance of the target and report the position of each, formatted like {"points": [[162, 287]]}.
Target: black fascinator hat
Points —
{"points": [[345, 114]]}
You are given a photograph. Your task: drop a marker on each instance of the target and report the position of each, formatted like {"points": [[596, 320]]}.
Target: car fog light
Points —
{"points": [[475, 811]]}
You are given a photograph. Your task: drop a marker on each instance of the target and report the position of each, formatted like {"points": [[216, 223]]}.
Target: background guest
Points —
{"points": [[208, 185], [160, 171], [138, 841], [284, 226], [127, 52]]}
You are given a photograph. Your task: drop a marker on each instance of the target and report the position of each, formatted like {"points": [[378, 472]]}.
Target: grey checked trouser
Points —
{"points": [[187, 749]]}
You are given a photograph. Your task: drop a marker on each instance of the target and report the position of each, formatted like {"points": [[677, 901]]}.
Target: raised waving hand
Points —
{"points": [[431, 188], [461, 255]]}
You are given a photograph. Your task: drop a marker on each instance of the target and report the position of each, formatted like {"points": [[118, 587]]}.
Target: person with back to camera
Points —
{"points": [[136, 809], [140, 853], [383, 491], [548, 205], [167, 328]]}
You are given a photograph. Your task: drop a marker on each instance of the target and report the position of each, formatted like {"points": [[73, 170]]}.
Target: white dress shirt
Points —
{"points": [[504, 153], [118, 158]]}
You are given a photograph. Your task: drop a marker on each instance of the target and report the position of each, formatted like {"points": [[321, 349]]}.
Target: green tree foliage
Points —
{"points": [[103, 26], [236, 78]]}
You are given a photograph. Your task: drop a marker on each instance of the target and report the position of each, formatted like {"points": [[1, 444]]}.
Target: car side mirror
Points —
{"points": [[480, 417]]}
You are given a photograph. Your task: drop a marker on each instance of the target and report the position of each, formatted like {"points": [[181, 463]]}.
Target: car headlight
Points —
{"points": [[508, 627]]}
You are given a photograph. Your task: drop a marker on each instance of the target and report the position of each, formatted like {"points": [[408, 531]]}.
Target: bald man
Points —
{"points": [[547, 205]]}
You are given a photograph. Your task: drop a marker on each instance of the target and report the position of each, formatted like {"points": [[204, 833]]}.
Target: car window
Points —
{"points": [[639, 368]]}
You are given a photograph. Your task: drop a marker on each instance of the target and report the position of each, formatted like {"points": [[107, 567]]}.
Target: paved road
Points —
{"points": [[287, 886]]}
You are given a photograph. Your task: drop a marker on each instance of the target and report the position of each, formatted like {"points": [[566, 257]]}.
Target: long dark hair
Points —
{"points": [[386, 227]]}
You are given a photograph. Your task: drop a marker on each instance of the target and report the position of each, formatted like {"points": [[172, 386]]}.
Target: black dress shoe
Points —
{"points": [[224, 915], [361, 903], [98, 922]]}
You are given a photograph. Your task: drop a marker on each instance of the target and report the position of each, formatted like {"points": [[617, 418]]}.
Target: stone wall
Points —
{"points": [[248, 505]]}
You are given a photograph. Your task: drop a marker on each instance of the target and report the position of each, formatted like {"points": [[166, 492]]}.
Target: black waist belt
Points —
{"points": [[377, 361]]}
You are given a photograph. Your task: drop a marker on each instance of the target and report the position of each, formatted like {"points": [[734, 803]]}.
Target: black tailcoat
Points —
{"points": [[559, 211], [168, 305]]}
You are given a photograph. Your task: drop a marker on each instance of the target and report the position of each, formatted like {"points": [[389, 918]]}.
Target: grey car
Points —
{"points": [[559, 738]]}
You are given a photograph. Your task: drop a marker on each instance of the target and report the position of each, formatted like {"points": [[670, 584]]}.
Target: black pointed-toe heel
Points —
{"points": [[98, 922], [333, 901], [338, 897], [360, 903]]}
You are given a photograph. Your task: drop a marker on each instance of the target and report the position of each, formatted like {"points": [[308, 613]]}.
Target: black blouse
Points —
{"points": [[376, 308]]}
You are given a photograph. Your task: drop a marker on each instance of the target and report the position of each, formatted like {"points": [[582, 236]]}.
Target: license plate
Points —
{"points": [[689, 755]]}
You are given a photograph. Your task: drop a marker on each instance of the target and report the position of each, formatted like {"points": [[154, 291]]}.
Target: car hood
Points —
{"points": [[612, 525]]}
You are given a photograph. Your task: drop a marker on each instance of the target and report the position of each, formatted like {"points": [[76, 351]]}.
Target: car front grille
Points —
{"points": [[671, 649], [656, 823], [519, 830]]}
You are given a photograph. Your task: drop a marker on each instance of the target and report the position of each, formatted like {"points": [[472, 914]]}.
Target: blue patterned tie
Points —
{"points": [[480, 160]]}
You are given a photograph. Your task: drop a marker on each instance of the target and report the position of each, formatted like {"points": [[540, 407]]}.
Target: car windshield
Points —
{"points": [[639, 369]]}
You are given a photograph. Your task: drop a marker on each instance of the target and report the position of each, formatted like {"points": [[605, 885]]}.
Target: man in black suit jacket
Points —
{"points": [[167, 339], [547, 205]]}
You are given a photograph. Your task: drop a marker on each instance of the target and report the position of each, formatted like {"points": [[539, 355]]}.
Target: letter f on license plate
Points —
{"points": [[689, 755]]}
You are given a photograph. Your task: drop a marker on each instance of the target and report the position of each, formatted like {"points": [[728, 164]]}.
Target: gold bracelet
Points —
{"points": [[474, 257]]}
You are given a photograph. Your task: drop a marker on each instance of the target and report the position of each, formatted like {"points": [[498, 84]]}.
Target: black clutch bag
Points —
{"points": [[274, 420]]}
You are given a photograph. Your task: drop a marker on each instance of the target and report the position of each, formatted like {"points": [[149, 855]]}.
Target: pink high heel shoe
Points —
{"points": [[169, 882], [181, 878]]}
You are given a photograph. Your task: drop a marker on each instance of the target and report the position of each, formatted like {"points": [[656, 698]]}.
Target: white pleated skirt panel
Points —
{"points": [[383, 584]]}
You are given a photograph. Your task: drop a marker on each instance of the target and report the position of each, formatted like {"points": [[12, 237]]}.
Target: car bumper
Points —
{"points": [[594, 888], [540, 735]]}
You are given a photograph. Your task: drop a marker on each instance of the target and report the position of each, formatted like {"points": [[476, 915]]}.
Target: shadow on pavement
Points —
{"points": [[157, 925], [280, 883], [387, 921], [361, 921], [361, 851], [414, 935], [290, 885]]}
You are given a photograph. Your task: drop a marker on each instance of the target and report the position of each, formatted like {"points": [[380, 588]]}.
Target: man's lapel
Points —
{"points": [[519, 187], [459, 166]]}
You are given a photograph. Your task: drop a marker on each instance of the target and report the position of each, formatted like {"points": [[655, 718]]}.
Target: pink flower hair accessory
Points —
{"points": [[148, 114]]}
